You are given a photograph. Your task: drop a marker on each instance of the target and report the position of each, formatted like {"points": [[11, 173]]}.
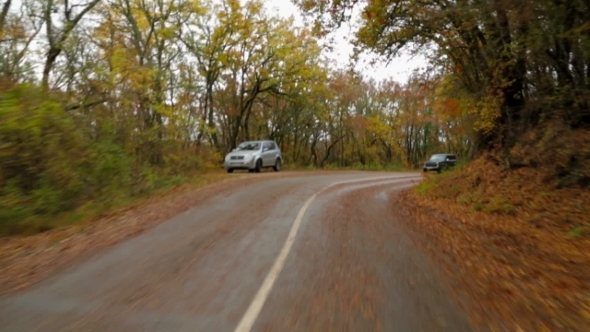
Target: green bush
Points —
{"points": [[50, 165], [38, 157]]}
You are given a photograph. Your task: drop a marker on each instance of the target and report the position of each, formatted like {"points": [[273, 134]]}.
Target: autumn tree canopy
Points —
{"points": [[517, 62]]}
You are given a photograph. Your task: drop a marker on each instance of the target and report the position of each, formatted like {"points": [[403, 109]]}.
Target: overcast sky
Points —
{"points": [[398, 69]]}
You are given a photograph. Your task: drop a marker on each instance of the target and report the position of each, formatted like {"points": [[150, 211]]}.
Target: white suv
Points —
{"points": [[253, 156]]}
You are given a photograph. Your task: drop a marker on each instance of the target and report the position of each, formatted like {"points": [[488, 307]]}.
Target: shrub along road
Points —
{"points": [[323, 251]]}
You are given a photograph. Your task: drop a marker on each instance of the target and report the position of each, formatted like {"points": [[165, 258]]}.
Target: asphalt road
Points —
{"points": [[321, 252]]}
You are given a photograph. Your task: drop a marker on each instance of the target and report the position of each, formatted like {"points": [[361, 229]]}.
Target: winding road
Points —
{"points": [[315, 252]]}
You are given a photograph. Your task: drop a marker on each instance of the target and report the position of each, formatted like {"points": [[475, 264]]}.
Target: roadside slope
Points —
{"points": [[516, 239]]}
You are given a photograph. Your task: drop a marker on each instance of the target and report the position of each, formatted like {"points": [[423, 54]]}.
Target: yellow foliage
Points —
{"points": [[488, 111]]}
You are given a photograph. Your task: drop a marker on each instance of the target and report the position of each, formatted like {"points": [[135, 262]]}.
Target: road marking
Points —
{"points": [[253, 311]]}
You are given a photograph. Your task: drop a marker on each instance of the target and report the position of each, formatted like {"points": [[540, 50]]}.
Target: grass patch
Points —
{"points": [[464, 199], [479, 206], [424, 188], [577, 232]]}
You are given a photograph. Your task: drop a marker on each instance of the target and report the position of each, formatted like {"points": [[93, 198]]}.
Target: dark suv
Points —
{"points": [[439, 162]]}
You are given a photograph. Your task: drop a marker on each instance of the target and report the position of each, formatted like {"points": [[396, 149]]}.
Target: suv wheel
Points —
{"points": [[277, 166]]}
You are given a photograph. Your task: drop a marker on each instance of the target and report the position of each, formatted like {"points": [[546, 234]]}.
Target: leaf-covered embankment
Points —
{"points": [[514, 230]]}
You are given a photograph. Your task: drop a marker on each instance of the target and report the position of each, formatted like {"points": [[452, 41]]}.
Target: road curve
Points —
{"points": [[321, 252]]}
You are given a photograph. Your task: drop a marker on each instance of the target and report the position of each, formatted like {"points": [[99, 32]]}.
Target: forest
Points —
{"points": [[101, 100]]}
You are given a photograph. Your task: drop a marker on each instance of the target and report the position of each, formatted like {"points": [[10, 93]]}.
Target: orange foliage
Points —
{"points": [[448, 107], [357, 123]]}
